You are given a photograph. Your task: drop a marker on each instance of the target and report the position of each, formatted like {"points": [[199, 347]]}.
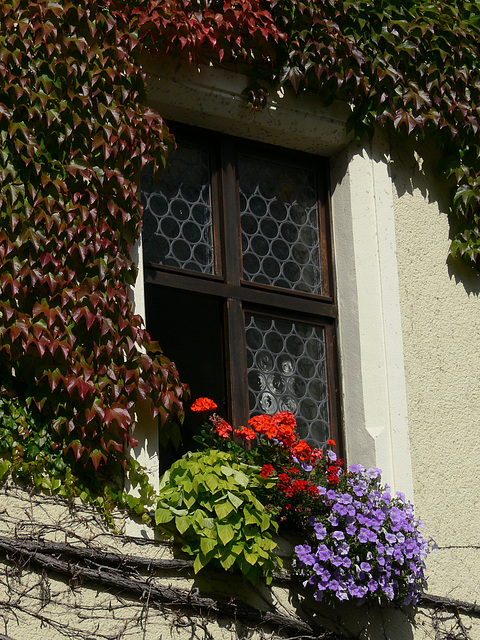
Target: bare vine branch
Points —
{"points": [[125, 579], [448, 604]]}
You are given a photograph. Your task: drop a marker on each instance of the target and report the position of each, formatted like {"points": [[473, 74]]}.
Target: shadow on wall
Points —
{"points": [[361, 621], [465, 275], [418, 168]]}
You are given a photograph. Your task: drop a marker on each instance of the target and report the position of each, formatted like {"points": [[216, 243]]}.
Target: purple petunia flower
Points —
{"points": [[323, 553], [383, 559]]}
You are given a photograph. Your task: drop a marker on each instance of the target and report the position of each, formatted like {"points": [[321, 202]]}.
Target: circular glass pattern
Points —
{"points": [[279, 219], [265, 361], [256, 381], [287, 372], [178, 209], [276, 384]]}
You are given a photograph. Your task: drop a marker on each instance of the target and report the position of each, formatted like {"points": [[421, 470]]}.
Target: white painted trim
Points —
{"points": [[370, 331], [146, 428]]}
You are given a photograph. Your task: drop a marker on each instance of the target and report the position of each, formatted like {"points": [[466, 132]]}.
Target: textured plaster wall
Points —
{"points": [[43, 605], [440, 309]]}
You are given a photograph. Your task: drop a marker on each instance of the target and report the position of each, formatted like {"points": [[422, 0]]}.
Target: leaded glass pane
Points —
{"points": [[177, 219], [287, 372], [279, 218]]}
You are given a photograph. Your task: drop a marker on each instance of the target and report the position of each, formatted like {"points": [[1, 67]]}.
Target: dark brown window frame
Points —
{"points": [[239, 296]]}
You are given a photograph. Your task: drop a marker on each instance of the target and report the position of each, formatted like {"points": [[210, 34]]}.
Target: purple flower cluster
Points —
{"points": [[367, 545]]}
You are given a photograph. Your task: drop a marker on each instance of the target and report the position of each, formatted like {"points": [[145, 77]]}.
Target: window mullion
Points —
{"points": [[236, 361], [333, 386], [236, 357], [231, 215]]}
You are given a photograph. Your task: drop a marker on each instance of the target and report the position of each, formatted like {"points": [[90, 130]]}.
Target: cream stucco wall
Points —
{"points": [[440, 309]]}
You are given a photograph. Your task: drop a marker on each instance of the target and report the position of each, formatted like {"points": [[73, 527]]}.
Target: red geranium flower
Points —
{"points": [[301, 450], [222, 428], [285, 418], [261, 424], [332, 474], [267, 470], [246, 433], [202, 405]]}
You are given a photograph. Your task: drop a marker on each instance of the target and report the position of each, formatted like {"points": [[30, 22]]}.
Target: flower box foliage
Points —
{"points": [[224, 503]]}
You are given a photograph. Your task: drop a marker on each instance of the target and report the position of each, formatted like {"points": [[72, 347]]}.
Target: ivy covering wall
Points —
{"points": [[75, 132], [74, 135]]}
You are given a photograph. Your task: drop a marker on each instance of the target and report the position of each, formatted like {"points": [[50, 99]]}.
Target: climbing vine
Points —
{"points": [[75, 132], [410, 66], [74, 136]]}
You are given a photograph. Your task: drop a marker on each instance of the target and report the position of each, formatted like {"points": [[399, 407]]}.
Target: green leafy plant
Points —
{"points": [[361, 542], [207, 501]]}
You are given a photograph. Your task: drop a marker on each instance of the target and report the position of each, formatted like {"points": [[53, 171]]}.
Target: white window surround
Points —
{"points": [[374, 403]]}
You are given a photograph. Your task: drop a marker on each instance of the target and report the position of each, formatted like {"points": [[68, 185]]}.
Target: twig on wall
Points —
{"points": [[448, 604], [125, 579]]}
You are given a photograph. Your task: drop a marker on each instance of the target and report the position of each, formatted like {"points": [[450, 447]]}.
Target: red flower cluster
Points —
{"points": [[245, 433], [301, 450], [203, 405], [333, 471], [221, 426], [277, 430], [267, 470], [281, 427], [291, 487]]}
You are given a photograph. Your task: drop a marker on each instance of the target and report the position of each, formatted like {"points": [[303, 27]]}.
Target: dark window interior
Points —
{"points": [[189, 327], [238, 274]]}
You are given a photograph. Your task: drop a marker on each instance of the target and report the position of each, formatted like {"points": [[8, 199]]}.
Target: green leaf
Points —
{"points": [[227, 561], [223, 510], [240, 477], [4, 468], [212, 482], [198, 563], [251, 517], [227, 471], [225, 532], [182, 523], [207, 545], [162, 516], [235, 500], [208, 523], [251, 557]]}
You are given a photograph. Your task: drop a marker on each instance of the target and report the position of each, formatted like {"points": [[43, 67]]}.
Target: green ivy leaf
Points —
{"points": [[5, 466]]}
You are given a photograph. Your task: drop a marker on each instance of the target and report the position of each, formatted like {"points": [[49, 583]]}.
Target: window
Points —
{"points": [[238, 278]]}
